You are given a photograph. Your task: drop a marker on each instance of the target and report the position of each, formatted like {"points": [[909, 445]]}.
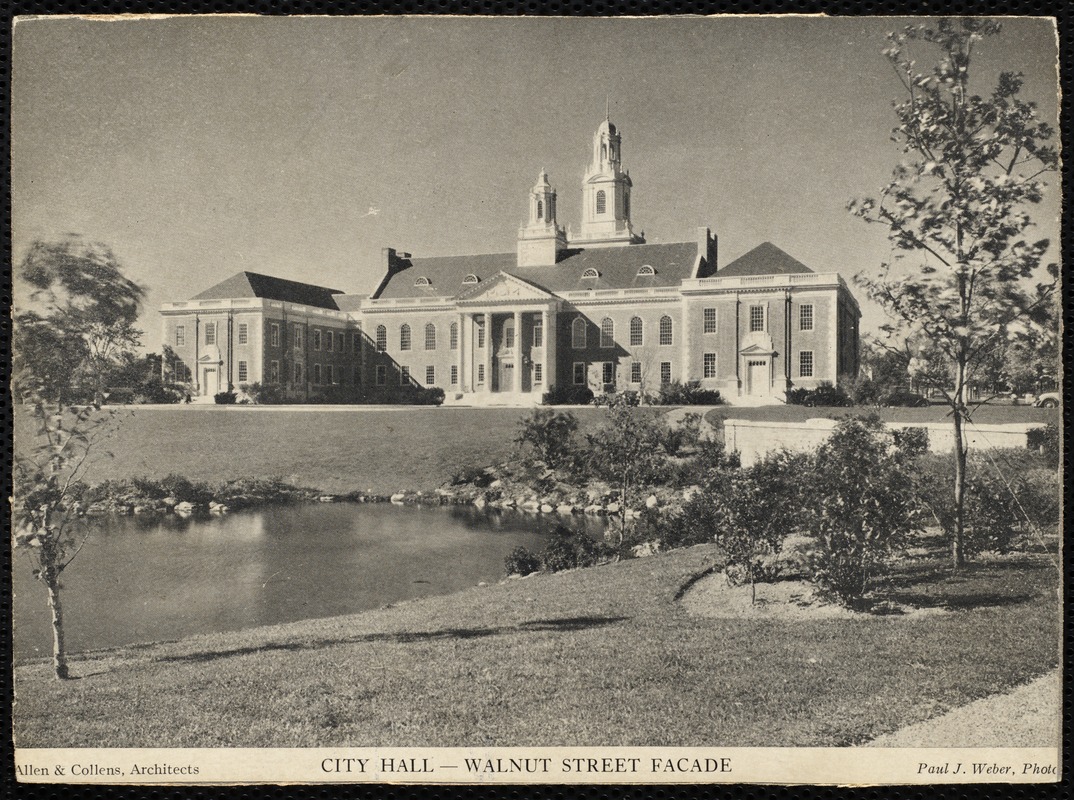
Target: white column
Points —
{"points": [[488, 351], [550, 354], [517, 388], [546, 375], [463, 318]]}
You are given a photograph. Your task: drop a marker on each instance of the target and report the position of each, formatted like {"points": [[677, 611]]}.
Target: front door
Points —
{"points": [[507, 376], [757, 380], [210, 381]]}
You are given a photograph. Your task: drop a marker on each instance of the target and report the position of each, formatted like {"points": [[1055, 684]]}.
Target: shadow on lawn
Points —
{"points": [[562, 625]]}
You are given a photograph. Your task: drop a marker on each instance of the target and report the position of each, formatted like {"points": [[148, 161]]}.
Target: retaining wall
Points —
{"points": [[753, 439]]}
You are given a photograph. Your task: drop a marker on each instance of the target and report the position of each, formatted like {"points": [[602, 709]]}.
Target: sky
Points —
{"points": [[196, 147]]}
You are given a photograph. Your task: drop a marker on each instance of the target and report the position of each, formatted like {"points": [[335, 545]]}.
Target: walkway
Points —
{"points": [[1027, 716]]}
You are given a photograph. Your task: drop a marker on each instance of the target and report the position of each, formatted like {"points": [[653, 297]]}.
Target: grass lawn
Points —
{"points": [[336, 449], [985, 415], [604, 656]]}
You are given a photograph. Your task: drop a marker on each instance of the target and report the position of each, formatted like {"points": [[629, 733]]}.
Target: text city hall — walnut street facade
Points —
{"points": [[601, 309]]}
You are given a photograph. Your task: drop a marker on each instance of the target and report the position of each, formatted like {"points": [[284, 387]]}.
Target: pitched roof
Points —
{"points": [[617, 268], [253, 284], [764, 259]]}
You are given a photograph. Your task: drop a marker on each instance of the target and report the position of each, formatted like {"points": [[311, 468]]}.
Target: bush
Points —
{"points": [[185, 490], [824, 395], [475, 476], [521, 562], [687, 394], [913, 442], [569, 550], [684, 437], [264, 393], [627, 397], [859, 504], [225, 398], [1046, 441], [548, 434], [568, 396]]}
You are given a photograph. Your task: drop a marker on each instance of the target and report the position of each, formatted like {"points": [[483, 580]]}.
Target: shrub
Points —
{"points": [[913, 442], [225, 398], [628, 397], [569, 550], [824, 395], [521, 561], [183, 489], [1046, 441], [686, 436], [859, 505], [264, 393], [687, 394], [475, 476], [568, 396], [548, 434]]}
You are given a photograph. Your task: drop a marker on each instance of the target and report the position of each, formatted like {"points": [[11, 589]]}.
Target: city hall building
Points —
{"points": [[601, 309]]}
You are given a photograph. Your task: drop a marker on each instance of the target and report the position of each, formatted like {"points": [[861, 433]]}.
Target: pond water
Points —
{"points": [[142, 580]]}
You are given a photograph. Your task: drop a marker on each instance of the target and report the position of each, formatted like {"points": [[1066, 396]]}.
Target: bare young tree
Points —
{"points": [[956, 211]]}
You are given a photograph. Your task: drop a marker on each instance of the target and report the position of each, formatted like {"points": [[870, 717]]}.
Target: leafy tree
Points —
{"points": [[957, 209], [50, 524], [548, 434], [859, 503], [84, 300]]}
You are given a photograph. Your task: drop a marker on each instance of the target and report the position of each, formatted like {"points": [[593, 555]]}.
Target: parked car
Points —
{"points": [[906, 399], [826, 395], [1047, 400]]}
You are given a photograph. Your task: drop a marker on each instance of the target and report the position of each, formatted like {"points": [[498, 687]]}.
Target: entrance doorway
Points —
{"points": [[757, 378], [210, 381]]}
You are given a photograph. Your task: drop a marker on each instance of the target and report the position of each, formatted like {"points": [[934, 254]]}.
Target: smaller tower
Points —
{"points": [[541, 240]]}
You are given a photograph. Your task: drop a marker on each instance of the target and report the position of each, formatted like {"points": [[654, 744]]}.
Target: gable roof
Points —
{"points": [[617, 268], [253, 284], [764, 259]]}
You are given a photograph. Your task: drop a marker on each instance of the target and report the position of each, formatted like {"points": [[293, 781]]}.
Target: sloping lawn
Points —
{"points": [[985, 415], [335, 449], [604, 656]]}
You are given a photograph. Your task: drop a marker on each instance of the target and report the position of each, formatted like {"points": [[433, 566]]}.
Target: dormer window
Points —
{"points": [[470, 279], [646, 270], [423, 281], [590, 273]]}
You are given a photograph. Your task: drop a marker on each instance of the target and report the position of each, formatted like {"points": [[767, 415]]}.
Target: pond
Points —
{"points": [[142, 580]]}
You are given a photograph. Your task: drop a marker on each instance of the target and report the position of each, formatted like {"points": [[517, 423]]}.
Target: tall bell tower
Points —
{"points": [[541, 240], [606, 194]]}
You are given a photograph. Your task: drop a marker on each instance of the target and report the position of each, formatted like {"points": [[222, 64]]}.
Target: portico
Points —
{"points": [[507, 343]]}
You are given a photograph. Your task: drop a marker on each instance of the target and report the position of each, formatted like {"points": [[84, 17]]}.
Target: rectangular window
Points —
{"points": [[756, 319], [298, 373], [382, 375], [805, 364], [608, 372], [710, 320], [635, 372], [481, 334], [538, 373], [454, 375], [509, 337], [298, 337], [710, 365], [430, 375], [404, 376], [210, 333], [274, 335], [329, 341], [274, 372], [243, 375], [244, 333], [316, 374], [329, 374], [316, 340], [538, 333], [805, 318], [180, 335], [579, 373], [480, 373], [342, 343], [665, 372]]}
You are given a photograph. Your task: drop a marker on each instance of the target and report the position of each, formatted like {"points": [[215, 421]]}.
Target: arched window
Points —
{"points": [[604, 151], [637, 335], [552, 207], [578, 333], [665, 330], [470, 279], [646, 270], [453, 336], [602, 201], [430, 336], [607, 332], [382, 338], [540, 210], [590, 273], [422, 281], [404, 337]]}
